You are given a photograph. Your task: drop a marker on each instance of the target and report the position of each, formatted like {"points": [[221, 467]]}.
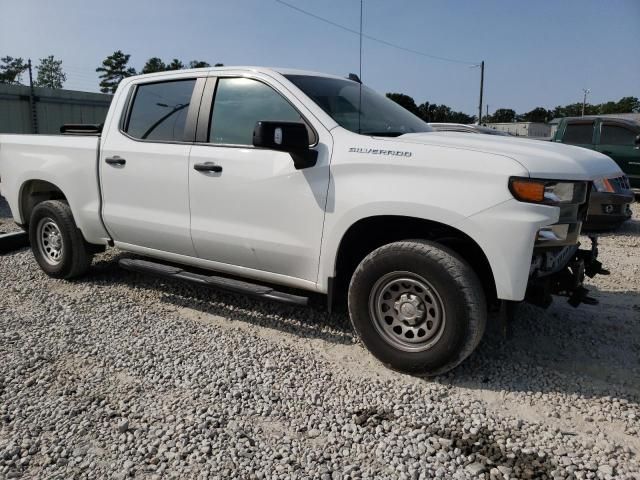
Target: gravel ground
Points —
{"points": [[120, 375]]}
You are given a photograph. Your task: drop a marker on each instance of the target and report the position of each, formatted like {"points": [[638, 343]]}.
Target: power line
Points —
{"points": [[375, 39]]}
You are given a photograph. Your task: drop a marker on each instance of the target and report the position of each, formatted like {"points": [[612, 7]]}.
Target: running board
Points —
{"points": [[223, 283], [13, 241]]}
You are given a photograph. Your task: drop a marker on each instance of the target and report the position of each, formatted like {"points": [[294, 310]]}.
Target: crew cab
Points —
{"points": [[291, 185]]}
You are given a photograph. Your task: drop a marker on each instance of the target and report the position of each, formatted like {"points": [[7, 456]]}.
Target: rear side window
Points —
{"points": [[240, 103], [578, 133], [159, 110], [616, 135]]}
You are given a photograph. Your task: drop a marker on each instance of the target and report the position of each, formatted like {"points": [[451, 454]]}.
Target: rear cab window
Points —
{"points": [[611, 134], [578, 133], [158, 111]]}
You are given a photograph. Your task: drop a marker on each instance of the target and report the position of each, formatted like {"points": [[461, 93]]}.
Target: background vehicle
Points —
{"points": [[610, 200], [615, 137], [460, 127], [298, 180]]}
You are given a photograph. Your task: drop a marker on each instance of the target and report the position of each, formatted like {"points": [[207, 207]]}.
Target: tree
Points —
{"points": [[538, 114], [219, 65], [628, 105], [113, 70], [198, 64], [154, 64], [175, 65], [503, 115], [11, 70], [404, 101], [461, 117], [50, 73]]}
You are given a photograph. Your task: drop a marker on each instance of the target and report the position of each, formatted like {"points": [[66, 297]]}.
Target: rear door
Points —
{"points": [[144, 164], [579, 133], [617, 140]]}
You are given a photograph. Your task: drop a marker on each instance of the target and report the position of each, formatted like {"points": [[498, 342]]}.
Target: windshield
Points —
{"points": [[340, 99]]}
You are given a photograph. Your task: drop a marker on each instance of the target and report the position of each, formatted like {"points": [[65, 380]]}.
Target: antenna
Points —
{"points": [[360, 73]]}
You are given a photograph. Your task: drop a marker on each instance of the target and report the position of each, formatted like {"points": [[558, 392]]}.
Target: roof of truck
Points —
{"points": [[267, 70]]}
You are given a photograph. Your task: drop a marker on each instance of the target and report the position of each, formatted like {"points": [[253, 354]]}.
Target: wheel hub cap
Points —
{"points": [[407, 311], [410, 308]]}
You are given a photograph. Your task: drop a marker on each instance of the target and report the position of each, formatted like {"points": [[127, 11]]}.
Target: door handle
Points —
{"points": [[606, 152], [115, 160], [207, 167]]}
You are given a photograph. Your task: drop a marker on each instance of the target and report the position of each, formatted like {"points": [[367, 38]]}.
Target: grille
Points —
{"points": [[620, 184]]}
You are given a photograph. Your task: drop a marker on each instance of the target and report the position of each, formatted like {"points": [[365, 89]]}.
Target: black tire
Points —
{"points": [[72, 252], [452, 298]]}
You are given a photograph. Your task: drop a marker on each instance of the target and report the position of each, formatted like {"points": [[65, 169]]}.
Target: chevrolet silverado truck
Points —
{"points": [[294, 185]]}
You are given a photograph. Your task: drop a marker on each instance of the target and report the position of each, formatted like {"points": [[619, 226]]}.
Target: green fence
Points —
{"points": [[51, 108]]}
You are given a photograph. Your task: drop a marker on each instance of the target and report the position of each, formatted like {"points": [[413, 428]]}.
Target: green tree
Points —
{"points": [[50, 73], [11, 70], [628, 105], [219, 65], [175, 65], [198, 64], [461, 117], [404, 101], [154, 64], [538, 114], [503, 115], [113, 70], [574, 110]]}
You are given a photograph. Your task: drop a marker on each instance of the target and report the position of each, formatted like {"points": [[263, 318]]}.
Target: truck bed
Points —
{"points": [[68, 162]]}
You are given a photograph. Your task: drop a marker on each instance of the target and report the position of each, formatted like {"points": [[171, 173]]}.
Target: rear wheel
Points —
{"points": [[417, 306], [57, 244]]}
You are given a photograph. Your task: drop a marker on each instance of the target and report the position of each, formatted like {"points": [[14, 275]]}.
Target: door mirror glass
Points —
{"points": [[287, 136], [291, 137]]}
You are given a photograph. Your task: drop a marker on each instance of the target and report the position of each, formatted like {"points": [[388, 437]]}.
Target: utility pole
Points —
{"points": [[487, 115], [32, 101], [584, 99], [481, 89]]}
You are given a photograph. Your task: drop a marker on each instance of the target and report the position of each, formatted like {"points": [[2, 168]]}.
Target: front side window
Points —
{"points": [[578, 133], [242, 102], [616, 135], [358, 108], [159, 110]]}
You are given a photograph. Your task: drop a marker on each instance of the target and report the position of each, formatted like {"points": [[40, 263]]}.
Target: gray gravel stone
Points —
{"points": [[117, 375]]}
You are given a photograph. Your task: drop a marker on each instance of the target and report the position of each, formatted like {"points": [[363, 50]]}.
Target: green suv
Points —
{"points": [[616, 137], [611, 198]]}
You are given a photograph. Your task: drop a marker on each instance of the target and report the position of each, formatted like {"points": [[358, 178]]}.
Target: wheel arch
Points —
{"points": [[369, 233], [35, 191]]}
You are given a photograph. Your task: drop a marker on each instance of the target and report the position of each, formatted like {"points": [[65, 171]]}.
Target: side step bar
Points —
{"points": [[13, 241], [228, 284]]}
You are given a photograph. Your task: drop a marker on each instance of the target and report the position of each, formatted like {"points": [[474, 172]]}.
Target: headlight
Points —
{"points": [[603, 185], [548, 192]]}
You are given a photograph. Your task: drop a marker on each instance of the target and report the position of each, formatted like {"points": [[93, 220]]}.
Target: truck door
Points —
{"points": [[579, 133], [144, 166], [257, 211], [617, 140]]}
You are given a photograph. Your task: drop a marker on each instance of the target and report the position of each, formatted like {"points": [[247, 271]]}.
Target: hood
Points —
{"points": [[542, 159]]}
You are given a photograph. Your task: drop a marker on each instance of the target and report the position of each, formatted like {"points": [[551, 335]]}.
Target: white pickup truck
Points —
{"points": [[288, 184]]}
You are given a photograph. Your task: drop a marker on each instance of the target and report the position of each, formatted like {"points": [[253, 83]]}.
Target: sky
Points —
{"points": [[537, 52]]}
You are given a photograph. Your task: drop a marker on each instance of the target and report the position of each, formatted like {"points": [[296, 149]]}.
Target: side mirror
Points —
{"points": [[289, 137], [637, 141]]}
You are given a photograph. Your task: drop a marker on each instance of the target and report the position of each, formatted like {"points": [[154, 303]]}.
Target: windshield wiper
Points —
{"points": [[383, 134]]}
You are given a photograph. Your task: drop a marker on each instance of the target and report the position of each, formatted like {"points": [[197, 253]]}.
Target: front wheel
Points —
{"points": [[57, 244], [417, 306]]}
